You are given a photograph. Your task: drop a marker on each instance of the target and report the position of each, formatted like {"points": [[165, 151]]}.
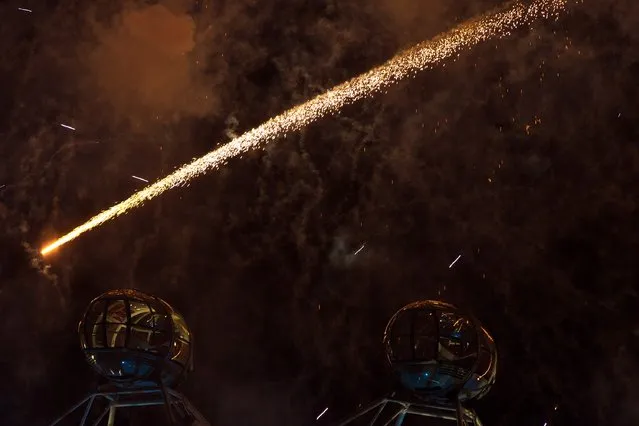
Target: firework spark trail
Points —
{"points": [[495, 24]]}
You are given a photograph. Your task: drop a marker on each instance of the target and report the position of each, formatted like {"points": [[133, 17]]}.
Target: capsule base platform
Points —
{"points": [[100, 407], [392, 411]]}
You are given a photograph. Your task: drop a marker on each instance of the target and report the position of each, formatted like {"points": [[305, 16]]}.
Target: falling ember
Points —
{"points": [[426, 55]]}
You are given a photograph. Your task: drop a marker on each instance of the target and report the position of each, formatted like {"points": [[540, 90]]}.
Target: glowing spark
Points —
{"points": [[139, 178], [25, 10], [322, 413], [454, 261], [67, 126], [498, 23], [359, 249]]}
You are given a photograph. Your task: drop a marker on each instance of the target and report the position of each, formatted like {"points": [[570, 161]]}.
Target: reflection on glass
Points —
{"points": [[128, 367], [160, 342], [116, 335], [140, 313], [180, 327], [96, 313], [483, 363], [425, 347], [116, 312], [402, 350], [180, 351], [424, 323], [97, 338], [140, 338], [161, 321], [403, 323], [457, 337], [96, 333], [414, 336]]}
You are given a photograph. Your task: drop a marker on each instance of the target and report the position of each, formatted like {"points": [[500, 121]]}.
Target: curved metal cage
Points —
{"points": [[136, 339], [440, 353]]}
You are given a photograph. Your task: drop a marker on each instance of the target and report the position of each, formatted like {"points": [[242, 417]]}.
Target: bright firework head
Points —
{"points": [[495, 24]]}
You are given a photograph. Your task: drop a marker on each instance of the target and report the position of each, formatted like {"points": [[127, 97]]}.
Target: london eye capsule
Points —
{"points": [[440, 353], [135, 339]]}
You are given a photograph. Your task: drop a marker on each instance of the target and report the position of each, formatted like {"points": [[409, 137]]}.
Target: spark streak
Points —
{"points": [[139, 178], [454, 261], [66, 126], [498, 23], [322, 413], [25, 10]]}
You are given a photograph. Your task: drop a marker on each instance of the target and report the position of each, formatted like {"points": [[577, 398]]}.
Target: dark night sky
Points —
{"points": [[522, 156]]}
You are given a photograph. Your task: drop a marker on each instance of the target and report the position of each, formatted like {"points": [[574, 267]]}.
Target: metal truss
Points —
{"points": [[176, 405], [389, 411]]}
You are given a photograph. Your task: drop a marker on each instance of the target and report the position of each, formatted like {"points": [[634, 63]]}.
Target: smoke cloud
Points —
{"points": [[144, 65]]}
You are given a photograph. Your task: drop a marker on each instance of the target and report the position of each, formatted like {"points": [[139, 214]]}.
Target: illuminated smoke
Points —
{"points": [[498, 23], [141, 65]]}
